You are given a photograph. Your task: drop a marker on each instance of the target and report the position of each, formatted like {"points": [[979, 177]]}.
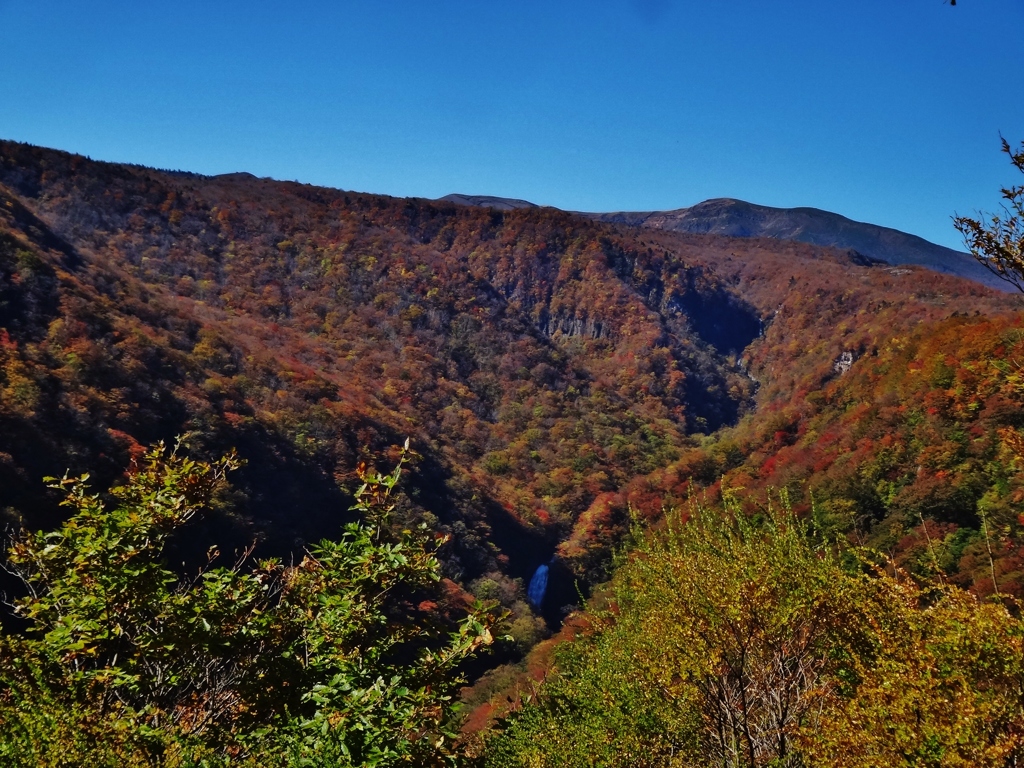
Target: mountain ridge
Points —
{"points": [[738, 218], [806, 224], [550, 369]]}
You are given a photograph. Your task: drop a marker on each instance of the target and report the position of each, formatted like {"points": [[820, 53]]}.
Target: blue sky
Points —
{"points": [[885, 111]]}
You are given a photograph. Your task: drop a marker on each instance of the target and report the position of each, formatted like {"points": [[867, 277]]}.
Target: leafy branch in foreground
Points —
{"points": [[324, 662], [999, 245]]}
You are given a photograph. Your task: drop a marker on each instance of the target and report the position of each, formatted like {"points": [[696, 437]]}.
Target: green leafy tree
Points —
{"points": [[939, 684], [713, 653], [737, 641], [323, 662]]}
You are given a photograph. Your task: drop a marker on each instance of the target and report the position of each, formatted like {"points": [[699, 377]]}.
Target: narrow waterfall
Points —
{"points": [[538, 586]]}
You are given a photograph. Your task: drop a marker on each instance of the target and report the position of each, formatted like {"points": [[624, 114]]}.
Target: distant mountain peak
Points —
{"points": [[738, 218], [240, 175], [488, 201]]}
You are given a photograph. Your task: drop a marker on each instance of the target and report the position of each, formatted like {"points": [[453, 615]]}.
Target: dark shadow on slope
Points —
{"points": [[727, 324], [722, 319], [35, 230]]}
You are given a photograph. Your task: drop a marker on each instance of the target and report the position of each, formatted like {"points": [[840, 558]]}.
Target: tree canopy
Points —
{"points": [[744, 641]]}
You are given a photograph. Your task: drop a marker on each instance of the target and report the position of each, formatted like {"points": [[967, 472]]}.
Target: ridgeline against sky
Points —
{"points": [[882, 112]]}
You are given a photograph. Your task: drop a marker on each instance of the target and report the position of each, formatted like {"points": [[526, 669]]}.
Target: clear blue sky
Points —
{"points": [[886, 111]]}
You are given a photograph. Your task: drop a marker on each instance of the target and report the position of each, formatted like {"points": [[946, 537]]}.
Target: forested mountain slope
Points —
{"points": [[549, 368], [536, 359], [890, 399]]}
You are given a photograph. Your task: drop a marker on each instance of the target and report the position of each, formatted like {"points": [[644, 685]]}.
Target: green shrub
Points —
{"points": [[322, 662]]}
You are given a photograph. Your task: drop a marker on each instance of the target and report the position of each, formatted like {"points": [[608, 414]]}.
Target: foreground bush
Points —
{"points": [[324, 662], [735, 642]]}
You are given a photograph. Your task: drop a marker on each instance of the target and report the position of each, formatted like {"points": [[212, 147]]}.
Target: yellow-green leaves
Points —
{"points": [[737, 642]]}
